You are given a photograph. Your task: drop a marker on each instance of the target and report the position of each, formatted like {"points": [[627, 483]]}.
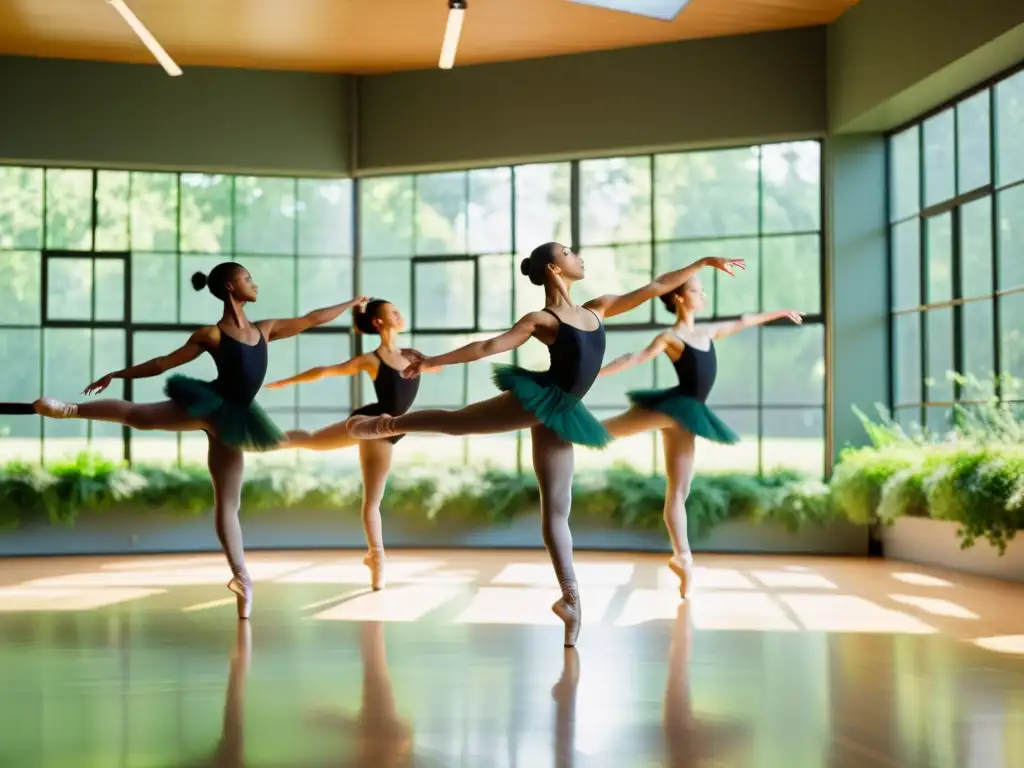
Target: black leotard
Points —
{"points": [[576, 356], [696, 369], [395, 395], [241, 368]]}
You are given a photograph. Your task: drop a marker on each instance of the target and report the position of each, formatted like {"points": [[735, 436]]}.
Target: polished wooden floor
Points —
{"points": [[788, 662]]}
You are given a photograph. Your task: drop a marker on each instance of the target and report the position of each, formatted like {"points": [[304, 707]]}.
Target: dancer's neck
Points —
{"points": [[557, 294], [389, 341], [685, 319], [234, 314]]}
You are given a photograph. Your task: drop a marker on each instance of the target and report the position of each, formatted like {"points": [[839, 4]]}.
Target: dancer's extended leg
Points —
{"points": [[167, 415], [227, 466], [503, 413], [553, 462], [679, 447], [327, 439], [634, 421], [375, 463]]}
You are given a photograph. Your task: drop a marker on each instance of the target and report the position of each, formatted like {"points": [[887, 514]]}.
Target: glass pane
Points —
{"points": [[447, 388], [109, 289], [20, 281], [906, 264], [617, 270], [938, 158], [316, 349], [281, 363], [201, 307], [325, 217], [275, 278], [743, 457], [206, 219], [706, 194], [264, 215], [972, 135], [905, 174], [907, 357], [936, 419], [791, 192], [21, 384], [479, 384], [441, 201], [909, 419], [736, 382], [155, 289], [670, 256], [108, 348], [66, 372], [69, 210], [1010, 209], [794, 439], [939, 354], [792, 364], [1009, 136], [490, 210], [112, 210], [976, 248], [978, 342], [1011, 335], [939, 258], [324, 282], [445, 294], [389, 279], [615, 200], [69, 289], [154, 212], [21, 207], [542, 205], [792, 273], [495, 284], [385, 216], [610, 391]]}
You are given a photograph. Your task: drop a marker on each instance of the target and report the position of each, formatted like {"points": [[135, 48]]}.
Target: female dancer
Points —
{"points": [[549, 402], [395, 395], [681, 412], [225, 408]]}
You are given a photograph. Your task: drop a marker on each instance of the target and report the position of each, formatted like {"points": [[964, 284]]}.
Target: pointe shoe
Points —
{"points": [[53, 408], [572, 615], [371, 427], [243, 596], [682, 566], [375, 562]]}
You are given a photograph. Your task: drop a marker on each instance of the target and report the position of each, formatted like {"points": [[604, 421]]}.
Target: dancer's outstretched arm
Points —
{"points": [[721, 330], [199, 342], [612, 304], [631, 359], [515, 337], [357, 365], [275, 330]]}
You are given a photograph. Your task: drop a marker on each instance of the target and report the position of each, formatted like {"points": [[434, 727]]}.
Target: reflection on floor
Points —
{"points": [[790, 662]]}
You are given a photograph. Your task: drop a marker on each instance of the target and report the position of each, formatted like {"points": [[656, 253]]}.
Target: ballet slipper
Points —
{"points": [[682, 566], [568, 610], [374, 560], [243, 595], [371, 427], [53, 408]]}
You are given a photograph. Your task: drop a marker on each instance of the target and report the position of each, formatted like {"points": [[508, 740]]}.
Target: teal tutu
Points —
{"points": [[689, 412], [246, 427], [562, 413]]}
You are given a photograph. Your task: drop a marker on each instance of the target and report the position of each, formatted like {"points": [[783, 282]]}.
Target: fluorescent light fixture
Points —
{"points": [[456, 12], [146, 37], [665, 10]]}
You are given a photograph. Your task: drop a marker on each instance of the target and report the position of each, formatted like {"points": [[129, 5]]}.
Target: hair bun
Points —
{"points": [[199, 280], [524, 266]]}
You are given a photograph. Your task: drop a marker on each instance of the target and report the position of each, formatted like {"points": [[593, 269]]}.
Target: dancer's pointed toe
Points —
{"points": [[374, 560], [371, 427], [242, 587], [682, 566], [53, 408]]}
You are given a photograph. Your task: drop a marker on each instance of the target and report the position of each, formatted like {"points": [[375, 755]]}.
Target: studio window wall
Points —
{"points": [[956, 191], [95, 268]]}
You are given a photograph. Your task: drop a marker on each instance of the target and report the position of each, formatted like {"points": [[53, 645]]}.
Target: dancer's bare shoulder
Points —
{"points": [[541, 324], [207, 338], [672, 345]]}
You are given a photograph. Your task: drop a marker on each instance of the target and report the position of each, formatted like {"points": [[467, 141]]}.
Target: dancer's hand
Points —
{"points": [[725, 265], [276, 384], [792, 314], [359, 302], [99, 385], [416, 367]]}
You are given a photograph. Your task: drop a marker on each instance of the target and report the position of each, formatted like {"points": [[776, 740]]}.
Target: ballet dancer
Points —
{"points": [[681, 412], [224, 408], [395, 395], [549, 403]]}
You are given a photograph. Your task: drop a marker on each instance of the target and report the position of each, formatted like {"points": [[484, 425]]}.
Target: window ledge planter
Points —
{"points": [[935, 542]]}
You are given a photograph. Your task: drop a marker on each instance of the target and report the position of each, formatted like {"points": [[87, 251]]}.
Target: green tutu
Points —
{"points": [[562, 413], [689, 412], [246, 427]]}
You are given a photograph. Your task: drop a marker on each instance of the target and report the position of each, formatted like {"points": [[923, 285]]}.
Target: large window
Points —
{"points": [[95, 267], [956, 191]]}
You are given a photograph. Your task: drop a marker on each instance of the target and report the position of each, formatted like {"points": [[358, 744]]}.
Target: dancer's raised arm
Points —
{"points": [[514, 337], [631, 359], [357, 365], [721, 330], [198, 342], [276, 330], [612, 304]]}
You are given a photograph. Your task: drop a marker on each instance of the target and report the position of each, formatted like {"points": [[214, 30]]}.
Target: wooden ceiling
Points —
{"points": [[367, 36]]}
